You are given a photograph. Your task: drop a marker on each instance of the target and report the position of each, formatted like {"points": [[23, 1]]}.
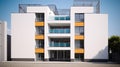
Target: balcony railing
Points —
{"points": [[59, 17], [59, 30], [59, 44]]}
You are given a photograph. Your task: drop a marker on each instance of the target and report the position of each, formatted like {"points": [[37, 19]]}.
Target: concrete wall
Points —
{"points": [[23, 35], [3, 41], [96, 36]]}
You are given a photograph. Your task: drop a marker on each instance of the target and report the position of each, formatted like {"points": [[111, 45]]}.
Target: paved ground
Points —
{"points": [[56, 64]]}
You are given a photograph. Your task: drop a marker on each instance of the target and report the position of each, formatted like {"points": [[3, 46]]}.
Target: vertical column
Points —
{"points": [[72, 30], [46, 28]]}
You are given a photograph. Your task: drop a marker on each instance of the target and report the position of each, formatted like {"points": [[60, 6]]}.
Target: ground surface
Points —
{"points": [[57, 64]]}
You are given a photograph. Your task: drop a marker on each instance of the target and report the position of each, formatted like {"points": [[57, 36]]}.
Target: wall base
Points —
{"points": [[22, 59], [95, 60]]}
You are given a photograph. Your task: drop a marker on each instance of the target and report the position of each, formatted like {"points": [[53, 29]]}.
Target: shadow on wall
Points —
{"points": [[102, 56], [8, 47]]}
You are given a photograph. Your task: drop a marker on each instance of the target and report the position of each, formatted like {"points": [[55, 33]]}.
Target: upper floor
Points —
{"points": [[52, 13]]}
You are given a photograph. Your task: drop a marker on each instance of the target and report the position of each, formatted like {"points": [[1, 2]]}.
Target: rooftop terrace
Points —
{"points": [[76, 3]]}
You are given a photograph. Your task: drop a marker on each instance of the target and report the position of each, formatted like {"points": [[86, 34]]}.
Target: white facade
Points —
{"points": [[3, 41], [23, 33], [96, 36]]}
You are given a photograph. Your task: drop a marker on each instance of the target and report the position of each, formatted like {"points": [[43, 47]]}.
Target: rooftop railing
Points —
{"points": [[90, 3]]}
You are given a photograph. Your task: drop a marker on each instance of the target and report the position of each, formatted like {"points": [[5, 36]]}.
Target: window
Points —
{"points": [[39, 17], [40, 56], [39, 43], [79, 56], [79, 30], [40, 30], [79, 43], [79, 17]]}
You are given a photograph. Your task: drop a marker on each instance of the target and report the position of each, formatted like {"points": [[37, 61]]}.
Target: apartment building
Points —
{"points": [[45, 33], [3, 41]]}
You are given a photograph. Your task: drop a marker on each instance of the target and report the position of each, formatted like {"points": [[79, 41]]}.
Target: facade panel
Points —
{"points": [[96, 36], [3, 41], [23, 35]]}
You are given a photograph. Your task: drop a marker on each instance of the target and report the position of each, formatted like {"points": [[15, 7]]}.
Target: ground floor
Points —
{"points": [[58, 64], [60, 55]]}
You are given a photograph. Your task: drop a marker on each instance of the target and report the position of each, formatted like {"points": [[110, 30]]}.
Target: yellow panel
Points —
{"points": [[39, 50], [79, 37], [39, 23], [79, 50], [79, 23], [39, 36]]}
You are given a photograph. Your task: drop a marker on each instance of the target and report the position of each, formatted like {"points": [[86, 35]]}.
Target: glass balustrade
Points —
{"points": [[59, 44], [59, 30], [59, 18]]}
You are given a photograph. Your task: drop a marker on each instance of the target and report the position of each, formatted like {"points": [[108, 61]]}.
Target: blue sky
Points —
{"points": [[111, 7]]}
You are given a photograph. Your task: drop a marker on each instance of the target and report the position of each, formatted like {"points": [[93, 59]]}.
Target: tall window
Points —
{"points": [[39, 17], [79, 43], [79, 17], [79, 30], [39, 56], [39, 43], [40, 30]]}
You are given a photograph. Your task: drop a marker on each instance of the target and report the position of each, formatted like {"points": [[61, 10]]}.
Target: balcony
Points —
{"points": [[59, 44], [59, 31], [59, 17]]}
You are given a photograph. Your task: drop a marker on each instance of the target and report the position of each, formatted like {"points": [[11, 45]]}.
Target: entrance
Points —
{"points": [[59, 55]]}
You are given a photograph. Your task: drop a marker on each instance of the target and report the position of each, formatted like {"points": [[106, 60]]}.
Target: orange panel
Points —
{"points": [[79, 50], [79, 37], [39, 36], [39, 23], [79, 23], [39, 50]]}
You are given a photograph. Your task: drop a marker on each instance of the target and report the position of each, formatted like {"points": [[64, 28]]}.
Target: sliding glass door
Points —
{"points": [[59, 55]]}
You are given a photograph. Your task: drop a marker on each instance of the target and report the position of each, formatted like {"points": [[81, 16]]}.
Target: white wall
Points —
{"points": [[23, 35], [38, 9], [82, 9], [3, 41], [96, 36]]}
